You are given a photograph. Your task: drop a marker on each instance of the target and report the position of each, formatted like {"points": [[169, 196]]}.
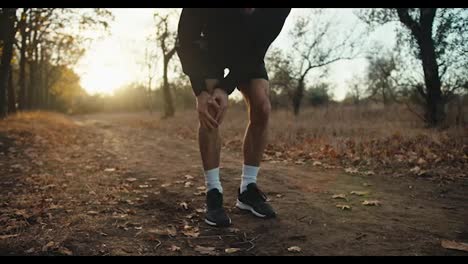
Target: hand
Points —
{"points": [[204, 100], [221, 103]]}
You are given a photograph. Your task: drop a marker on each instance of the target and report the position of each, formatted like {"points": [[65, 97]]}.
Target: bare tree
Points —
{"points": [[166, 38], [437, 38], [7, 34], [316, 44]]}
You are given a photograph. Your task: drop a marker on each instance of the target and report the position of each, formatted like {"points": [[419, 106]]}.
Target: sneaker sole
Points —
{"points": [[214, 224], [247, 207]]}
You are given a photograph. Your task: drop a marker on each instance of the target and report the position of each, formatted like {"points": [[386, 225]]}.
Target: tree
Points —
{"points": [[356, 90], [318, 94], [316, 44], [380, 75], [166, 38], [7, 34], [437, 38]]}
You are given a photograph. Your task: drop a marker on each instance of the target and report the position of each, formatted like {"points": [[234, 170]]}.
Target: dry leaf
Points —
{"points": [[165, 185], [170, 231], [343, 206], [359, 193], [143, 186], [300, 162], [109, 170], [201, 188], [454, 245], [206, 250], [233, 230], [174, 248], [279, 196], [200, 193], [317, 163], [188, 184], [200, 210], [232, 250], [371, 203], [65, 251], [339, 196], [294, 249], [131, 179], [191, 233], [188, 177], [351, 170], [8, 236], [369, 173], [416, 170], [184, 205], [92, 213]]}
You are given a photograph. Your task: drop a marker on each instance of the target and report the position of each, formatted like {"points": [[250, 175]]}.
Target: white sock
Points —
{"points": [[212, 180], [249, 175]]}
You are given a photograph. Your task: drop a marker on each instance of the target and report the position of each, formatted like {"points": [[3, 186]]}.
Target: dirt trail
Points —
{"points": [[113, 214]]}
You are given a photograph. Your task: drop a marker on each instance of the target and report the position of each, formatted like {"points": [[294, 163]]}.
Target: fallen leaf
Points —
{"points": [[165, 185], [339, 196], [131, 179], [191, 233], [174, 248], [279, 195], [48, 246], [65, 251], [109, 170], [371, 202], [184, 205], [143, 186], [232, 250], [200, 193], [170, 231], [416, 170], [8, 236], [351, 170], [294, 249], [188, 184], [179, 182], [92, 213], [369, 173], [454, 245], [421, 161], [31, 250], [317, 163], [343, 206], [206, 250], [201, 188], [188, 177], [300, 162], [233, 230], [200, 210], [359, 193]]}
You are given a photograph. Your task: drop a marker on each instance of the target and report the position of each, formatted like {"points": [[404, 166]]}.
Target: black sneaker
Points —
{"points": [[254, 200], [215, 215]]}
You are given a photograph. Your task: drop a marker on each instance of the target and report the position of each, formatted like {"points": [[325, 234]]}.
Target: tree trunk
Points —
{"points": [[168, 104], [8, 18], [22, 100], [297, 97], [435, 113], [11, 93]]}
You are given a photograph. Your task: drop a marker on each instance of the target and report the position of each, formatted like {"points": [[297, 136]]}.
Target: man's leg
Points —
{"points": [[209, 141], [256, 95]]}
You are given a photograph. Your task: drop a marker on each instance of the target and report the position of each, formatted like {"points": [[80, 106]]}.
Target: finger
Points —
{"points": [[211, 120], [214, 103]]}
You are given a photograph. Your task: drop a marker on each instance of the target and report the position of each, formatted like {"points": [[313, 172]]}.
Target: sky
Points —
{"points": [[115, 60]]}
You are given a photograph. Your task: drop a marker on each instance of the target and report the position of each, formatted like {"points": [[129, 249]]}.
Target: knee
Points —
{"points": [[260, 113]]}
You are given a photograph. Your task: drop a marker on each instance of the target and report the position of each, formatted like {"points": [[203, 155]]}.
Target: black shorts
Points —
{"points": [[239, 73]]}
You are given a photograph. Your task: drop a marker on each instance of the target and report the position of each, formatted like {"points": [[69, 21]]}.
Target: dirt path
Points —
{"points": [[128, 190]]}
